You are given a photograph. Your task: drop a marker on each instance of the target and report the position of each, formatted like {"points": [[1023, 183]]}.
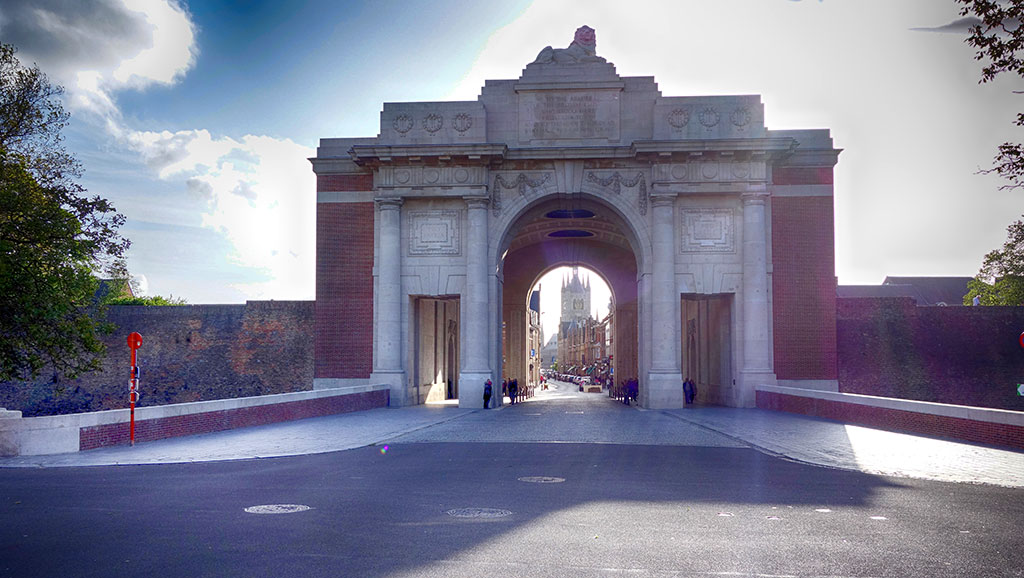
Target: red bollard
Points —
{"points": [[134, 342]]}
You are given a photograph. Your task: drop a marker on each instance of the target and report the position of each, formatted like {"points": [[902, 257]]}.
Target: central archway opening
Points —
{"points": [[580, 233]]}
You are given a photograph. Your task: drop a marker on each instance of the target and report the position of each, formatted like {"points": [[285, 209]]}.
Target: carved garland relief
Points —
{"points": [[522, 183], [616, 181]]}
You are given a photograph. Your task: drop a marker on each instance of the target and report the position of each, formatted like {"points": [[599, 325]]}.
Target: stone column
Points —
{"points": [[387, 358], [664, 383], [757, 352], [475, 322]]}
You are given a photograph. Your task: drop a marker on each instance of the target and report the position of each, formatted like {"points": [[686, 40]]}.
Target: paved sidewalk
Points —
{"points": [[838, 445], [307, 436], [562, 415]]}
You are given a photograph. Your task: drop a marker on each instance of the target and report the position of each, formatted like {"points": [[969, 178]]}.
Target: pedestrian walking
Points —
{"points": [[513, 390], [487, 394]]}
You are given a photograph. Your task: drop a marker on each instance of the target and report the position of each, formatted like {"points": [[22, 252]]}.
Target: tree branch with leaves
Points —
{"points": [[998, 38]]}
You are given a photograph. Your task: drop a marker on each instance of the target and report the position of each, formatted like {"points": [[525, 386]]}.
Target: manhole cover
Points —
{"points": [[541, 479], [277, 509], [478, 513]]}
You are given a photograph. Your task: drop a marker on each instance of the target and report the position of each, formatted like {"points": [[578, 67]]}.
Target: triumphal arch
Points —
{"points": [[714, 233]]}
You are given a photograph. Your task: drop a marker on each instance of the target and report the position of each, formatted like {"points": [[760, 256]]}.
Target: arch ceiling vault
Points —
{"points": [[670, 198]]}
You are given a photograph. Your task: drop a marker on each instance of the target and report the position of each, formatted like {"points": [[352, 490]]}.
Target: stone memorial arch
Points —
{"points": [[714, 234]]}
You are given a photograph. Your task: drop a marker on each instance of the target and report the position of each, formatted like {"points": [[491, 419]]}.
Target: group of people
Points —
{"points": [[509, 387], [628, 390]]}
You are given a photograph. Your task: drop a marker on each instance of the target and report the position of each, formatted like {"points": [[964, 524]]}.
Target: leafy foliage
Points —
{"points": [[52, 237], [999, 38], [153, 301], [1001, 278]]}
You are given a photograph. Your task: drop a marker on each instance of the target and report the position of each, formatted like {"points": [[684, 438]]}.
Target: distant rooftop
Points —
{"points": [[924, 290]]}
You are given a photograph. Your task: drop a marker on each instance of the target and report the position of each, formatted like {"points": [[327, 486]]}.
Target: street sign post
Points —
{"points": [[134, 343]]}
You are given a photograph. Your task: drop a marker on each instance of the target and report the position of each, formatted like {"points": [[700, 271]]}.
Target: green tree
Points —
{"points": [[53, 238], [1001, 278], [998, 37]]}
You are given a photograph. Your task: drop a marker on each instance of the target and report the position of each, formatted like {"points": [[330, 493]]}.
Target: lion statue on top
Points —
{"points": [[582, 49]]}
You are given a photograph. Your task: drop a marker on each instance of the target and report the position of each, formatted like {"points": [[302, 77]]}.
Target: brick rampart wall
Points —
{"points": [[189, 353], [197, 423], [889, 347], [999, 434], [344, 290], [803, 284]]}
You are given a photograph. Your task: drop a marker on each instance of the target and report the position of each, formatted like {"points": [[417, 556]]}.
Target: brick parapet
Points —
{"points": [[971, 424]]}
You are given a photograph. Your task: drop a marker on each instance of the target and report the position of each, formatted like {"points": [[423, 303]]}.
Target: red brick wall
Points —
{"points": [[803, 284], [332, 183], [189, 353], [801, 175], [897, 420], [344, 289], [183, 425], [889, 347]]}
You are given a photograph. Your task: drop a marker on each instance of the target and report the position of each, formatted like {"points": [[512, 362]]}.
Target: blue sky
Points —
{"points": [[196, 118]]}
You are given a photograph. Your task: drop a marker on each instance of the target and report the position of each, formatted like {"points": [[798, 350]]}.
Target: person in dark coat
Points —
{"points": [[513, 390], [689, 390], [487, 394]]}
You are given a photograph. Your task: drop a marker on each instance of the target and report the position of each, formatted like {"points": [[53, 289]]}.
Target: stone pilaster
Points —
{"points": [[475, 321], [387, 359], [664, 383], [756, 366]]}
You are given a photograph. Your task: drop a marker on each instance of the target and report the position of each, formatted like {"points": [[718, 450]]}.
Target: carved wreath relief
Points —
{"points": [[434, 233], [707, 231]]}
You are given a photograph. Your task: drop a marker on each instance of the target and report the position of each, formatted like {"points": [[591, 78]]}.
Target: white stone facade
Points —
{"points": [[682, 184]]}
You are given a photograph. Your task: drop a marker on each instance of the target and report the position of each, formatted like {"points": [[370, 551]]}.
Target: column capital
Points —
{"points": [[477, 202], [754, 198], [389, 203], [662, 200]]}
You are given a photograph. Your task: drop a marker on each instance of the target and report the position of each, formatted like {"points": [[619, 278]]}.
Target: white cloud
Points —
{"points": [[257, 191], [97, 48], [259, 194]]}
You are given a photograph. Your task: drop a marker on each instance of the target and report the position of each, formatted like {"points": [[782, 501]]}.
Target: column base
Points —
{"points": [[471, 390], [399, 395], [664, 390], [745, 394]]}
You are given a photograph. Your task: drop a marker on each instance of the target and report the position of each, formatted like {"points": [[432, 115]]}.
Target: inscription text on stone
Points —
{"points": [[568, 114]]}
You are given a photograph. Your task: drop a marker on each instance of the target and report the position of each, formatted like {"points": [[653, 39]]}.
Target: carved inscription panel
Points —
{"points": [[434, 233], [568, 115], [707, 231]]}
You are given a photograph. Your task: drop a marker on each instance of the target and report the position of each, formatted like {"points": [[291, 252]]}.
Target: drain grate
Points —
{"points": [[486, 513], [541, 479], [277, 509]]}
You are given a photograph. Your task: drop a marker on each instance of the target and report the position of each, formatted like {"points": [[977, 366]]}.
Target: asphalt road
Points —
{"points": [[422, 508]]}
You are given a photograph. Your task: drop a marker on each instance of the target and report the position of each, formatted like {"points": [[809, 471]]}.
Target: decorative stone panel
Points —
{"points": [[704, 117], [426, 176], [432, 123], [434, 233], [707, 231]]}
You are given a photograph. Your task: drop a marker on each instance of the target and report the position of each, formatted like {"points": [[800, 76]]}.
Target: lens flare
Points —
{"points": [[384, 450]]}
